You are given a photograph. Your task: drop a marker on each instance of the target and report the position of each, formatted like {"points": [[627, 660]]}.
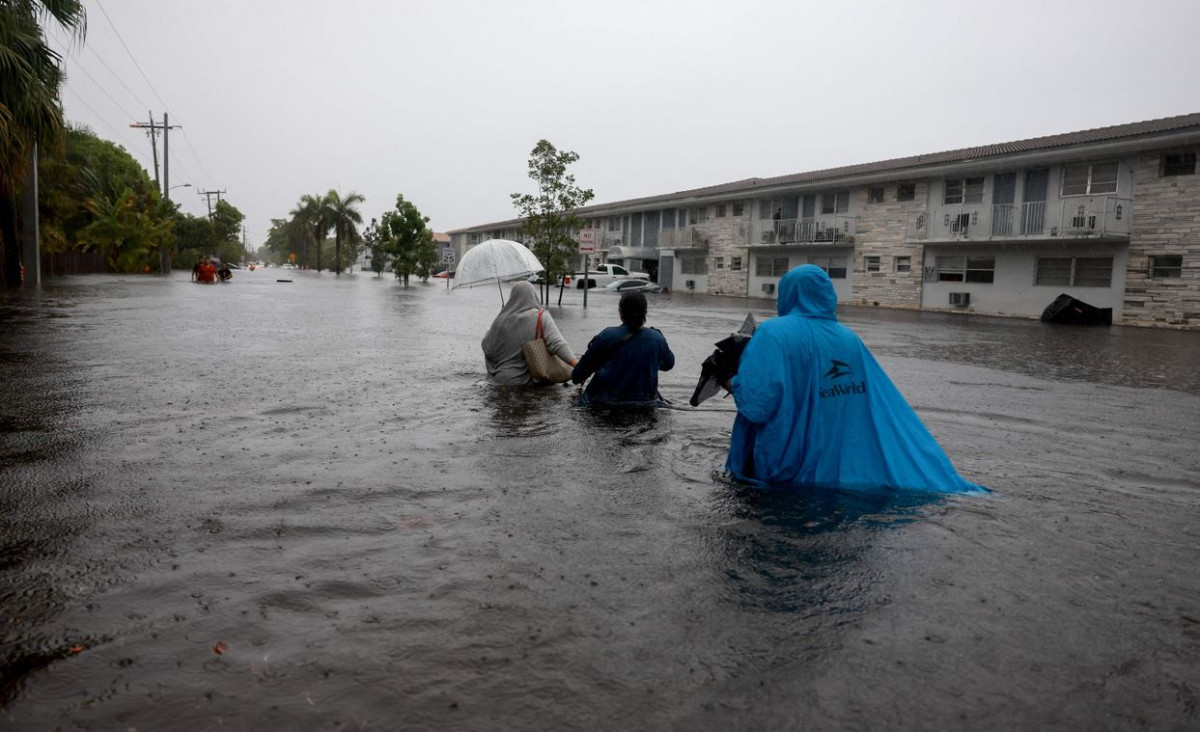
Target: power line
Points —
{"points": [[103, 90], [200, 162], [131, 58], [100, 117], [116, 76]]}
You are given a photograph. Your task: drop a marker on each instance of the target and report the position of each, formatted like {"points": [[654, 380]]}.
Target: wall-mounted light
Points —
{"points": [[1119, 212]]}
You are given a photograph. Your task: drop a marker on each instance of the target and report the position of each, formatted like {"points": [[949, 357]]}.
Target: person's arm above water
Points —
{"points": [[666, 359], [589, 361], [555, 343], [757, 387]]}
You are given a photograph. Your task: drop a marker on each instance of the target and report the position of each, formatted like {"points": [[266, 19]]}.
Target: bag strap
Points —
{"points": [[540, 333]]}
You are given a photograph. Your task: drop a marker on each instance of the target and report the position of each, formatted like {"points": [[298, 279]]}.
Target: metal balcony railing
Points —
{"points": [[1071, 217], [832, 228]]}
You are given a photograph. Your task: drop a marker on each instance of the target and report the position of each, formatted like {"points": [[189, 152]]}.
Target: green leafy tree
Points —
{"points": [[376, 249], [30, 108], [408, 240], [227, 228], [195, 239], [88, 180], [550, 222], [345, 218], [129, 233]]}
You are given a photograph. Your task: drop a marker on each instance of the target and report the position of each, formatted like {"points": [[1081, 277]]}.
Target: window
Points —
{"points": [[834, 266], [1179, 164], [699, 214], [963, 190], [835, 202], [473, 238], [614, 223], [720, 210], [735, 264], [903, 264], [771, 266], [906, 192], [1089, 179], [1077, 271], [872, 264], [718, 263], [1170, 266], [693, 264], [875, 194], [768, 207], [739, 208], [966, 269]]}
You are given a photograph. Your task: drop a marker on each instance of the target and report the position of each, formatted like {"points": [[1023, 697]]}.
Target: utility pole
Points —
{"points": [[208, 197], [152, 128]]}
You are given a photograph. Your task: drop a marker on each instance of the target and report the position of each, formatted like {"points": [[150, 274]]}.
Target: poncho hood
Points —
{"points": [[807, 291]]}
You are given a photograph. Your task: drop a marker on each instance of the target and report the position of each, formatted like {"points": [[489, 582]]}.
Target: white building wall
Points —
{"points": [[1013, 292]]}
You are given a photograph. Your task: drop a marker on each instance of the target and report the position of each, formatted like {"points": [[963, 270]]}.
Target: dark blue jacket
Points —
{"points": [[625, 372]]}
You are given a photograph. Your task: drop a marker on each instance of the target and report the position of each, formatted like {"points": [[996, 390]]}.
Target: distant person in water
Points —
{"points": [[208, 272], [196, 270], [223, 273], [623, 361], [816, 409], [517, 323]]}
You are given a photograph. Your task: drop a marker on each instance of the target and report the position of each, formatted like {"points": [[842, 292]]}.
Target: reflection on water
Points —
{"points": [[316, 479]]}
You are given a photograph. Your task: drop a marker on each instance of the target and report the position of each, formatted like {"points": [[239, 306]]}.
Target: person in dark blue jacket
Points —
{"points": [[816, 409], [624, 360]]}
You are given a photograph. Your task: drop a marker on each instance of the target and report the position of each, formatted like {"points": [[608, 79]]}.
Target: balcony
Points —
{"points": [[687, 237], [829, 229], [1098, 217]]}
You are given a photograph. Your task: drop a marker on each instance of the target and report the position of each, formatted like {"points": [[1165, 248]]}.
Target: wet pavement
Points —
{"points": [[268, 505]]}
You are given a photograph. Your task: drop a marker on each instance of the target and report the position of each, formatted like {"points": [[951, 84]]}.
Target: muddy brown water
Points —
{"points": [[269, 505]]}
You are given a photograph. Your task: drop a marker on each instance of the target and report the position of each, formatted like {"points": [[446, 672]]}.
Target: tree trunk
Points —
{"points": [[337, 248], [317, 237]]}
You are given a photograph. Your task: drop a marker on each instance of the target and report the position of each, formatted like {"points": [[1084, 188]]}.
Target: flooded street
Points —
{"points": [[270, 505]]}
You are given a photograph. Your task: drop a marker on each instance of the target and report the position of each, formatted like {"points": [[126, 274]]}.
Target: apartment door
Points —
{"points": [[808, 214], [1033, 211], [1004, 191]]}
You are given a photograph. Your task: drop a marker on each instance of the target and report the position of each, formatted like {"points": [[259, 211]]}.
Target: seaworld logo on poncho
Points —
{"points": [[837, 371], [858, 387]]}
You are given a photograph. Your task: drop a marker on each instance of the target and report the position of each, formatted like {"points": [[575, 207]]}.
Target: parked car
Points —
{"points": [[606, 273], [634, 286]]}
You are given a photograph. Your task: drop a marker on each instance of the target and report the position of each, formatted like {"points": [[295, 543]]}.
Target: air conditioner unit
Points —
{"points": [[769, 288], [690, 284], [960, 298]]}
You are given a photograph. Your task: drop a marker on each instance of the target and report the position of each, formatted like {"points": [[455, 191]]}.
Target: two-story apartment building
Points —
{"points": [[1110, 216]]}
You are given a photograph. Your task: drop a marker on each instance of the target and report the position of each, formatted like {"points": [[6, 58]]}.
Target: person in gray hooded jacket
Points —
{"points": [[517, 323]]}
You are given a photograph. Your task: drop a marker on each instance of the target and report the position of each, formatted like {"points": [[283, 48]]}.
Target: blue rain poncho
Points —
{"points": [[816, 409]]}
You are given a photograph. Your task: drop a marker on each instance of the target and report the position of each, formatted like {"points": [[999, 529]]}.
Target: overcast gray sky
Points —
{"points": [[442, 101]]}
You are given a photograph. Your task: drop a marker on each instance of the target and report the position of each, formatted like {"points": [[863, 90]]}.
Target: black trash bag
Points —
{"points": [[1067, 310]]}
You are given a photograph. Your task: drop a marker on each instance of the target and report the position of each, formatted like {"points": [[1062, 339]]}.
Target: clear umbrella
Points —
{"points": [[498, 260]]}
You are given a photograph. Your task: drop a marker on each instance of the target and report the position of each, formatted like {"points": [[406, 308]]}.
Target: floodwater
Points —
{"points": [[268, 505]]}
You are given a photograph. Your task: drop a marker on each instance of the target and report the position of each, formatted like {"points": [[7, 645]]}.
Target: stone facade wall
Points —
{"points": [[1166, 221], [728, 237], [888, 230]]}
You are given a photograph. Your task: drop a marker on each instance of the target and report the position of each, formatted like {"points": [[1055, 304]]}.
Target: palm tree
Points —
{"points": [[311, 213], [30, 109], [344, 216], [315, 211]]}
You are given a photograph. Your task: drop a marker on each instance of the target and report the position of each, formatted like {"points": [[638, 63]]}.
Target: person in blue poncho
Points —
{"points": [[624, 360], [816, 409]]}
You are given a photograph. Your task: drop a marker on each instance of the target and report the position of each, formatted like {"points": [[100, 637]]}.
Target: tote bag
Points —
{"points": [[544, 367]]}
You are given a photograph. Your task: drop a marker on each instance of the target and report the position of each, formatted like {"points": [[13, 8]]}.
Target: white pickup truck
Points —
{"points": [[604, 274]]}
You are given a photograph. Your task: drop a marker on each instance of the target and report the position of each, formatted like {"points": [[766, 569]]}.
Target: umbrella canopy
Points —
{"points": [[495, 260]]}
